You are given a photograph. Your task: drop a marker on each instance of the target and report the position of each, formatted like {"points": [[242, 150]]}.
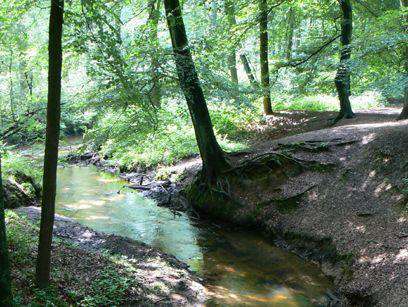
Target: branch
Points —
{"points": [[314, 53], [367, 8]]}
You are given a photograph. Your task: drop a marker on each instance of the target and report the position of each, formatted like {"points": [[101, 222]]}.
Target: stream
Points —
{"points": [[238, 267]]}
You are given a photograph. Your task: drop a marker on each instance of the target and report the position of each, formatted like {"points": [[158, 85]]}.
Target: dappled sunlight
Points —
{"points": [[402, 256], [106, 180], [382, 187], [97, 217], [368, 138], [279, 295]]}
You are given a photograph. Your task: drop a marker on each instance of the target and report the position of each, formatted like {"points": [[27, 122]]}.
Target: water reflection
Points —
{"points": [[240, 267]]}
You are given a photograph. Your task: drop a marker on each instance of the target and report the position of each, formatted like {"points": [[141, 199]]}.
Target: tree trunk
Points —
{"points": [[263, 43], [214, 161], [248, 71], [5, 283], [290, 33], [153, 23], [232, 57], [404, 113], [342, 80], [11, 90], [213, 17], [51, 143]]}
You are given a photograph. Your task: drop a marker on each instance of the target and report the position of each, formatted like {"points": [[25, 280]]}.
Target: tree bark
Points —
{"points": [[51, 143], [248, 71], [5, 283], [153, 23], [404, 113], [214, 161], [290, 33], [232, 57], [213, 17], [342, 80], [263, 43]]}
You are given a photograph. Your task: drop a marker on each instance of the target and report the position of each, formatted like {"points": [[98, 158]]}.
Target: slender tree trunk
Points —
{"points": [[214, 161], [248, 71], [232, 57], [290, 33], [11, 91], [51, 143], [342, 80], [404, 113], [263, 43], [5, 283], [213, 17], [153, 23]]}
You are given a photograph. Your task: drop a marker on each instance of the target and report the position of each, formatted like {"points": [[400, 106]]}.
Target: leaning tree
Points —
{"points": [[214, 160]]}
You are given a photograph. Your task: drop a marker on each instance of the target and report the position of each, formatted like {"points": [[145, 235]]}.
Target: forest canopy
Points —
{"points": [[118, 69]]}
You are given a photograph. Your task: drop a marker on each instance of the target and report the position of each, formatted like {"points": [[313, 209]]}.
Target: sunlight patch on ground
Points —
{"points": [[402, 256]]}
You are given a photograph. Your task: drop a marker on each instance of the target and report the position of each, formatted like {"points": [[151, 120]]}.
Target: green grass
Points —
{"points": [[319, 103]]}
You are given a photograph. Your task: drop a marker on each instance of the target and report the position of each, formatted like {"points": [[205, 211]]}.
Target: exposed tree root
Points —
{"points": [[285, 204], [314, 146], [223, 197], [340, 116]]}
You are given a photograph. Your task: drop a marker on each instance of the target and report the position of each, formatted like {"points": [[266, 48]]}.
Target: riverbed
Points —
{"points": [[238, 267]]}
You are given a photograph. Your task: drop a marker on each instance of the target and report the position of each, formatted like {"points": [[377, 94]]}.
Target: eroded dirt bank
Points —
{"points": [[153, 277], [351, 216]]}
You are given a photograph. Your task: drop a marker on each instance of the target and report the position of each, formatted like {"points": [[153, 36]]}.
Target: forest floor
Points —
{"points": [[94, 269]]}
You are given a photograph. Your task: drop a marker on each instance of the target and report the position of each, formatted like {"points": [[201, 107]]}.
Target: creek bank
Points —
{"points": [[153, 276], [351, 217], [165, 192], [20, 190]]}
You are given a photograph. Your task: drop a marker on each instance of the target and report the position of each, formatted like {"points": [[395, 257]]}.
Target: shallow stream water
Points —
{"points": [[239, 267]]}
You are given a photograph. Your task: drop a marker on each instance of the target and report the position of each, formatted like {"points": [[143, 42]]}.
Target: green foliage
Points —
{"points": [[109, 289], [319, 103], [172, 138], [110, 49], [13, 162], [72, 285]]}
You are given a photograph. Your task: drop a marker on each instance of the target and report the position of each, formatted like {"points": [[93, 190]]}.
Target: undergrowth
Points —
{"points": [[119, 137], [125, 139], [110, 283]]}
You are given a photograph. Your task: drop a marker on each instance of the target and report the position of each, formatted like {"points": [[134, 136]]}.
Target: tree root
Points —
{"points": [[224, 196], [314, 146], [285, 204]]}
